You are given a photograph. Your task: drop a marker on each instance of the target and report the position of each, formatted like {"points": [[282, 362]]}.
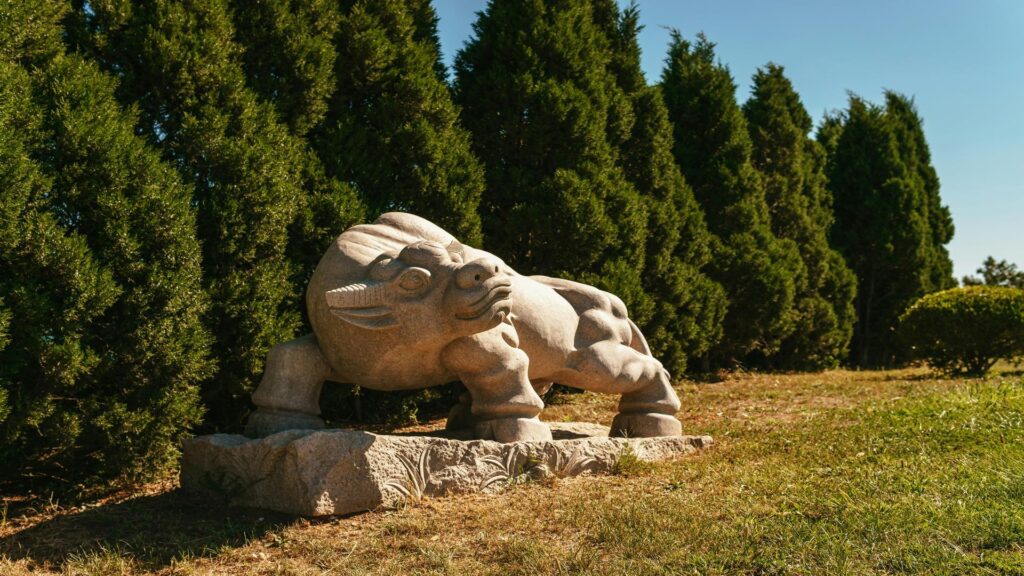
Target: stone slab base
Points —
{"points": [[326, 472]]}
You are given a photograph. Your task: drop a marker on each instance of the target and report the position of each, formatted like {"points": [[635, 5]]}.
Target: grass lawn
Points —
{"points": [[832, 473]]}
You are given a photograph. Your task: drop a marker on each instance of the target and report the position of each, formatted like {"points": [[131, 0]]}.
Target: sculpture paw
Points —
{"points": [[265, 421], [507, 430], [645, 425]]}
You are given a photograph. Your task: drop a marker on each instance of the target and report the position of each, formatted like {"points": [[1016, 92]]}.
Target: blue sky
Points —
{"points": [[961, 60]]}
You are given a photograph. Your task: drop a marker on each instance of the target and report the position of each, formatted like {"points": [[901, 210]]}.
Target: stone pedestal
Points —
{"points": [[327, 472]]}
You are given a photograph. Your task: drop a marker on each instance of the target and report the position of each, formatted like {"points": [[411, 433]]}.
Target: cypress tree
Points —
{"points": [[800, 208], [266, 209], [288, 55], [425, 21], [545, 115], [102, 289], [365, 80], [391, 127], [915, 154], [881, 226], [688, 306], [713, 150], [829, 131]]}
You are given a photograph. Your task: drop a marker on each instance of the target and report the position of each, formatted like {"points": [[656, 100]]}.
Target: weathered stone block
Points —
{"points": [[325, 472]]}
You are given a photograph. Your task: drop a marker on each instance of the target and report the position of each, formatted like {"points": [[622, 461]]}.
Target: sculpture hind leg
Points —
{"points": [[613, 358], [648, 400], [288, 396]]}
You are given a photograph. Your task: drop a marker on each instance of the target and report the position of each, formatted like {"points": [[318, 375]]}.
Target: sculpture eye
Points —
{"points": [[414, 279]]}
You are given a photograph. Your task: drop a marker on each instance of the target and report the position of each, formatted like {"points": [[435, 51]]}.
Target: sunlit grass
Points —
{"points": [[835, 473]]}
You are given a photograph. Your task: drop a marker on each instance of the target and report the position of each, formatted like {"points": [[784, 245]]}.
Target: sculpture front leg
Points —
{"points": [[461, 417], [288, 396], [505, 406]]}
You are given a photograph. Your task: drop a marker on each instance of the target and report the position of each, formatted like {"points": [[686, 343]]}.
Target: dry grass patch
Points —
{"points": [[839, 472]]}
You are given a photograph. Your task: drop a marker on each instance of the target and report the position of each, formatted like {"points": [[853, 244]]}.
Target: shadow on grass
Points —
{"points": [[154, 530]]}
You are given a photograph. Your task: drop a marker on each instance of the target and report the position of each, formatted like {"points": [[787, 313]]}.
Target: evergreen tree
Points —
{"points": [[289, 56], [266, 208], [915, 154], [391, 128], [368, 79], [829, 131], [996, 273], [881, 226], [713, 149], [101, 283], [546, 116], [800, 207], [425, 21], [689, 306]]}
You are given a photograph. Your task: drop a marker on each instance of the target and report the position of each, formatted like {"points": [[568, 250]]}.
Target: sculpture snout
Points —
{"points": [[478, 272], [483, 290]]}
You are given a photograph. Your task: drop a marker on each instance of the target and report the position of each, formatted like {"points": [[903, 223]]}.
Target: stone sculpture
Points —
{"points": [[401, 304]]}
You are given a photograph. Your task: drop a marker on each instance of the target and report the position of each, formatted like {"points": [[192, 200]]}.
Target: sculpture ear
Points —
{"points": [[363, 305], [456, 251]]}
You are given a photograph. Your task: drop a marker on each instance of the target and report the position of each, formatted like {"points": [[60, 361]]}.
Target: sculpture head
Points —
{"points": [[429, 288], [388, 297]]}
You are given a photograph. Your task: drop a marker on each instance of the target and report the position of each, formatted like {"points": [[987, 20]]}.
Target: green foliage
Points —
{"points": [[993, 273], [580, 177], [916, 156], [391, 128], [347, 404], [5, 320], [889, 223], [688, 306], [966, 330], [103, 297], [546, 121], [627, 463], [266, 209], [800, 207], [363, 82], [758, 270], [289, 55]]}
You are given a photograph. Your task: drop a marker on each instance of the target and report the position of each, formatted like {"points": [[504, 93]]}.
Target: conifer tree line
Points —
{"points": [[173, 170]]}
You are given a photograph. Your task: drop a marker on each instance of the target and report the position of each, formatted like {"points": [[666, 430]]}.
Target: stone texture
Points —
{"points": [[400, 304], [328, 472]]}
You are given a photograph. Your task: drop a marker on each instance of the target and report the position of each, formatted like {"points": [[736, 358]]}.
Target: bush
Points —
{"points": [[966, 330], [99, 276]]}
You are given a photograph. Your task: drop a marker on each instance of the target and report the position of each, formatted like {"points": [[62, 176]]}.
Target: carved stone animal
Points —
{"points": [[400, 304]]}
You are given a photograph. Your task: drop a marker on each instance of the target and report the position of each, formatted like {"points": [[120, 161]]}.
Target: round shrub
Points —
{"points": [[964, 331]]}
